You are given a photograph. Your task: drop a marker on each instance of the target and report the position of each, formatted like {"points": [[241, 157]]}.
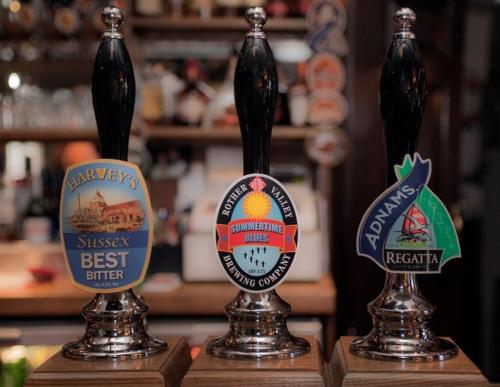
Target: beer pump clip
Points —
{"points": [[106, 218], [257, 229], [106, 232], [406, 231]]}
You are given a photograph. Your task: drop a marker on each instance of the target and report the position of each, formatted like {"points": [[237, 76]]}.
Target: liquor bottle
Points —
{"points": [[221, 112], [177, 8], [8, 207], [277, 8], [228, 7], [23, 189], [300, 7], [171, 86], [193, 100], [50, 192], [66, 17], [202, 8], [149, 7], [152, 104], [282, 112], [254, 3], [36, 224], [298, 97]]}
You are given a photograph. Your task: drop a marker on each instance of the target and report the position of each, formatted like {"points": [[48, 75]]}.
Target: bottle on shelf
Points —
{"points": [[228, 7], [66, 17], [278, 8], [202, 8], [300, 7], [221, 112], [23, 190], [253, 3], [177, 8], [153, 8], [7, 213], [170, 165], [50, 192], [8, 207], [152, 103], [194, 99], [171, 86], [298, 96], [36, 223], [282, 112]]}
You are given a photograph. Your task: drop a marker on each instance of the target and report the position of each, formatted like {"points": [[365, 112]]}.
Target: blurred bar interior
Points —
{"points": [[327, 148]]}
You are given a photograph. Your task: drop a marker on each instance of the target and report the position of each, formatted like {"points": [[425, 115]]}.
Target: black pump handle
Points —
{"points": [[113, 89], [402, 92], [256, 90]]}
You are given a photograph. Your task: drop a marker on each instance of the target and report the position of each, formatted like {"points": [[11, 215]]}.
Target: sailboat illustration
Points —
{"points": [[415, 227]]}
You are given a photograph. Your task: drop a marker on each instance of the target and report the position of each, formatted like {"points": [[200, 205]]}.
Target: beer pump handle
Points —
{"points": [[113, 88], [402, 92], [255, 90]]}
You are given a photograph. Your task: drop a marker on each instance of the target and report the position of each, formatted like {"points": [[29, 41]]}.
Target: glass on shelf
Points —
{"points": [[202, 8], [29, 106]]}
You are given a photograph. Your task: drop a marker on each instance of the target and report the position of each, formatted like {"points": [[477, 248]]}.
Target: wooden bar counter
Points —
{"points": [[348, 370], [61, 298], [305, 371], [166, 369]]}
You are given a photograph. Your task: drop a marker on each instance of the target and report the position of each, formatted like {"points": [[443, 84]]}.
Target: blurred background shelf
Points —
{"points": [[179, 133], [61, 298], [53, 73], [175, 133], [214, 24], [47, 135]]}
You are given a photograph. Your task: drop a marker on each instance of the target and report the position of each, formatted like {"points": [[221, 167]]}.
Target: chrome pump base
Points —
{"points": [[115, 330], [257, 330], [401, 325]]}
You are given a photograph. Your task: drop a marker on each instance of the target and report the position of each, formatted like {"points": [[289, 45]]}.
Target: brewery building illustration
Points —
{"points": [[99, 216]]}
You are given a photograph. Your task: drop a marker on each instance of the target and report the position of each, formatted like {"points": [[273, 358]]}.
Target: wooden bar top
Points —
{"points": [[348, 370], [305, 371], [61, 298], [165, 369]]}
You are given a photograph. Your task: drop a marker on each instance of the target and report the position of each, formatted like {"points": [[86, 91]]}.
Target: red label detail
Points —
{"points": [[256, 233]]}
